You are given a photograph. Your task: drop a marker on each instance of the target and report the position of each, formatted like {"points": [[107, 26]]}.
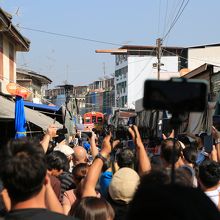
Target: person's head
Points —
{"points": [[171, 202], [125, 158], [190, 155], [92, 208], [163, 177], [79, 172], [167, 150], [209, 174], [68, 151], [80, 155], [123, 185], [22, 169], [57, 163], [185, 140], [200, 139]]}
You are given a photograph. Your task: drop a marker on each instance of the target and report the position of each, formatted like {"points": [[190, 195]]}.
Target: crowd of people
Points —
{"points": [[172, 178]]}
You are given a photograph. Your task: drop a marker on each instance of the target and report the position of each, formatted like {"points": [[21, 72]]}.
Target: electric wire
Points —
{"points": [[179, 13], [69, 36]]}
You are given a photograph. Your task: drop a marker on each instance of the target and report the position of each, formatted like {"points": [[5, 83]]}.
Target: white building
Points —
{"points": [[199, 55], [135, 64]]}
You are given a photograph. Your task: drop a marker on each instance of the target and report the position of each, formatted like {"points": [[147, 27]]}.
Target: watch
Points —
{"points": [[100, 156]]}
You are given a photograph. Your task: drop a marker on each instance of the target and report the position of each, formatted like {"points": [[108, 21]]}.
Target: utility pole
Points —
{"points": [[159, 51]]}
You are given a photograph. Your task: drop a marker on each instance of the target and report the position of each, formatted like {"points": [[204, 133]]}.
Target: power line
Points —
{"points": [[69, 36], [179, 13], [158, 28], [174, 20], [165, 19]]}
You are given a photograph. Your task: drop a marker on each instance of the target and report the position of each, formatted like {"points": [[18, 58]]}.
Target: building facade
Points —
{"points": [[57, 96], [100, 97], [34, 82], [135, 64], [11, 41], [199, 55]]}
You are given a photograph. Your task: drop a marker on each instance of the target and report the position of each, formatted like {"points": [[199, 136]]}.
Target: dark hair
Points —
{"points": [[57, 160], [184, 139], [209, 173], [125, 158], [163, 177], [22, 168], [167, 150], [190, 154], [80, 171], [92, 208], [171, 202], [154, 141]]}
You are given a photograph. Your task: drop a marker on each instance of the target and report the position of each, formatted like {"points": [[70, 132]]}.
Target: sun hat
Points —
{"points": [[124, 184]]}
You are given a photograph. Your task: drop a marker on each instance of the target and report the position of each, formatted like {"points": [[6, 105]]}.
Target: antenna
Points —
{"points": [[17, 12], [104, 68]]}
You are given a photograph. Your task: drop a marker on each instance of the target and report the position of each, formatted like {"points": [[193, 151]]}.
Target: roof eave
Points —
{"points": [[23, 44]]}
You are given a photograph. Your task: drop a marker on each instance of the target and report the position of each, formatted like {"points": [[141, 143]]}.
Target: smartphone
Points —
{"points": [[87, 133], [208, 143], [176, 95]]}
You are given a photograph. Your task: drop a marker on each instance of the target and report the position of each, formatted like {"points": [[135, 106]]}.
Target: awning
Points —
{"points": [[41, 106], [7, 108]]}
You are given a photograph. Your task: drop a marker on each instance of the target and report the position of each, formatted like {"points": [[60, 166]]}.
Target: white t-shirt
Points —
{"points": [[214, 196]]}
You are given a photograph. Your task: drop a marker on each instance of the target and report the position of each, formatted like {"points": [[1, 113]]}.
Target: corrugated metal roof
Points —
{"points": [[35, 117], [33, 74]]}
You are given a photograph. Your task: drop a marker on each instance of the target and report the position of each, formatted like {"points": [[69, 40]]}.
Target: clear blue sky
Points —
{"points": [[137, 22]]}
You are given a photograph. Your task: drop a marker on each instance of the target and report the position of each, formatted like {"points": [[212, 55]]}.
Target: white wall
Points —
{"points": [[199, 56], [141, 68]]}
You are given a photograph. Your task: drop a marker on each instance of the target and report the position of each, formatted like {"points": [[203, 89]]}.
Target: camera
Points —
{"points": [[120, 132]]}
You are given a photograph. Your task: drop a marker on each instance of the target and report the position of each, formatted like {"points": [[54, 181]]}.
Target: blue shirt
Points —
{"points": [[104, 182]]}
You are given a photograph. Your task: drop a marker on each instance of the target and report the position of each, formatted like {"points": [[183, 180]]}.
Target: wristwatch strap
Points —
{"points": [[100, 156]]}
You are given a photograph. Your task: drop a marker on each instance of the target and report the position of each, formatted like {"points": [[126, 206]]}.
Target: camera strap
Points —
{"points": [[112, 162]]}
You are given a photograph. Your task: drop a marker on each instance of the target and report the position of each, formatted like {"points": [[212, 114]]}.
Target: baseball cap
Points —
{"points": [[124, 184], [64, 149]]}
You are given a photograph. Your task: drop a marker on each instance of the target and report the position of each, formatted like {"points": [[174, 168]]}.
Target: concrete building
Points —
{"points": [[80, 94], [57, 96], [34, 82], [11, 41], [199, 55], [135, 64], [100, 97]]}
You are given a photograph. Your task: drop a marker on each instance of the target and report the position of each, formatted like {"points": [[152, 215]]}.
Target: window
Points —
{"points": [[87, 119], [99, 119], [93, 119]]}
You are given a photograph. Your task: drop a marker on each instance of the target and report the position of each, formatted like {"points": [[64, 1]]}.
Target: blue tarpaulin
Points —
{"points": [[20, 120]]}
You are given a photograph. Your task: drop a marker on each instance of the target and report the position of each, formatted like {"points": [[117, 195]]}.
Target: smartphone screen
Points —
{"points": [[208, 143]]}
